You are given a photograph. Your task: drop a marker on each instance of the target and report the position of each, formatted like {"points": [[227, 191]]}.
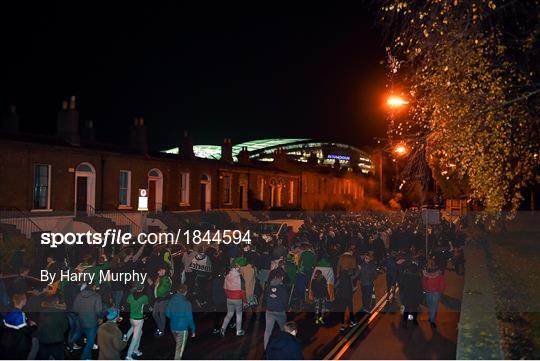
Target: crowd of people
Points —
{"points": [[318, 269]]}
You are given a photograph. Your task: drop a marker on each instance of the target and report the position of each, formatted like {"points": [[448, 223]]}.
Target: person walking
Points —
{"points": [[89, 308], [162, 291], [346, 262], [179, 311], [52, 326], [70, 292], [110, 340], [391, 275], [368, 273], [236, 297], [433, 284], [136, 301], [276, 306], [16, 339], [319, 288], [344, 296], [411, 293], [219, 299], [284, 345]]}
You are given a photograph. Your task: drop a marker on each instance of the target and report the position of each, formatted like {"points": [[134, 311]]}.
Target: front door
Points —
{"points": [[203, 196], [82, 194], [152, 196], [241, 206]]}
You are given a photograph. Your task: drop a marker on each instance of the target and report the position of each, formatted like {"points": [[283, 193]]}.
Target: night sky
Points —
{"points": [[244, 71]]}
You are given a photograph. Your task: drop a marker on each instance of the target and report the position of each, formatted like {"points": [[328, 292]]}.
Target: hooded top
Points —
{"points": [[89, 307], [277, 299], [233, 285]]}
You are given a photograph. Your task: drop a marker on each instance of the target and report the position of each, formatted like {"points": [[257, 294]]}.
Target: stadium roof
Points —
{"points": [[254, 146]]}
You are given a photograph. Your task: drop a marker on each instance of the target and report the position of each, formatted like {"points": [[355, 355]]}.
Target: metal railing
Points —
{"points": [[118, 217], [18, 218]]}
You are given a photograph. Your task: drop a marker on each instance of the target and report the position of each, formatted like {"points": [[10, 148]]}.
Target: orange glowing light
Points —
{"points": [[400, 149], [395, 101]]}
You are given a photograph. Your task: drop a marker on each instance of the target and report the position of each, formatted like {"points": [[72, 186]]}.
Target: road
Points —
{"points": [[385, 338], [380, 338], [317, 341]]}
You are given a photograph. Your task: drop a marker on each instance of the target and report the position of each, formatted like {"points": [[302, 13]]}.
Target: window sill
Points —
{"points": [[227, 204], [123, 206], [39, 210], [184, 204]]}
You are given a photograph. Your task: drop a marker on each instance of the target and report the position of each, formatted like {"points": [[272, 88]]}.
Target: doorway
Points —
{"points": [[155, 190], [85, 189], [206, 192]]}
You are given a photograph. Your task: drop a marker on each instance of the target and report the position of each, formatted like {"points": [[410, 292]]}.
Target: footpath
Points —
{"points": [[479, 336]]}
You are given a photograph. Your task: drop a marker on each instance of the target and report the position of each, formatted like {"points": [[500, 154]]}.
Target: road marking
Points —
{"points": [[345, 343]]}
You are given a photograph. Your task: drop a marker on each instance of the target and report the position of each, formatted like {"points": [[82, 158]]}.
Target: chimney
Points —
{"points": [[243, 156], [10, 121], [88, 134], [185, 149], [226, 150], [280, 158], [313, 160], [68, 122], [138, 136]]}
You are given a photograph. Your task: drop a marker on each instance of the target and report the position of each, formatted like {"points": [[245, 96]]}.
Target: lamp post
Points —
{"points": [[393, 102], [398, 150]]}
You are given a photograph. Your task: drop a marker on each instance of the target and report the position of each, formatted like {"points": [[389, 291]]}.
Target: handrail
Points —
{"points": [[117, 217], [15, 216]]}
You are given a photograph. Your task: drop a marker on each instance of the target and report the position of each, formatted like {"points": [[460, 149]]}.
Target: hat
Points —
{"points": [[241, 261], [112, 314], [139, 286]]}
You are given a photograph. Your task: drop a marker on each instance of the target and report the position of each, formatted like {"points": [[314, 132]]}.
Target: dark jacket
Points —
{"points": [[15, 337], [89, 308], [109, 340], [180, 313], [319, 287], [276, 300], [345, 285], [283, 346], [219, 299], [368, 273], [71, 290], [52, 325], [411, 289]]}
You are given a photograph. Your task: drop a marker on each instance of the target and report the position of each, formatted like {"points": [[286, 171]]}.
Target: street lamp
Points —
{"points": [[400, 149], [396, 101]]}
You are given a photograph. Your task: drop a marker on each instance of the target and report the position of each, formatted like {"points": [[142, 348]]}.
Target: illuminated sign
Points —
{"points": [[143, 200], [340, 157]]}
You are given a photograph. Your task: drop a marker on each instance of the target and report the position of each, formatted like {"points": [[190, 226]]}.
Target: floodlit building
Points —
{"points": [[296, 149]]}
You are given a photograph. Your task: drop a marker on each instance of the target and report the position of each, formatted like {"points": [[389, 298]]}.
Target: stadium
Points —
{"points": [[295, 149]]}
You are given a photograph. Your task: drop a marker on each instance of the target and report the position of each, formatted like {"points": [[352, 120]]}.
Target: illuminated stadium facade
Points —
{"points": [[296, 149]]}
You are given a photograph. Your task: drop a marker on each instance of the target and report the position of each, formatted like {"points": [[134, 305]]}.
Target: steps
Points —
{"points": [[12, 239], [101, 224]]}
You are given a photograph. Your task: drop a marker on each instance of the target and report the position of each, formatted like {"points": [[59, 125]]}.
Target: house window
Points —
{"points": [[227, 189], [184, 188], [42, 183], [291, 192], [124, 194]]}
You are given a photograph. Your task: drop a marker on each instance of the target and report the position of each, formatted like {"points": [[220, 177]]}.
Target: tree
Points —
{"points": [[471, 70]]}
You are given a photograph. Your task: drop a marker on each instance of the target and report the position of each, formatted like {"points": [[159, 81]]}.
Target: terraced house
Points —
{"points": [[72, 182]]}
